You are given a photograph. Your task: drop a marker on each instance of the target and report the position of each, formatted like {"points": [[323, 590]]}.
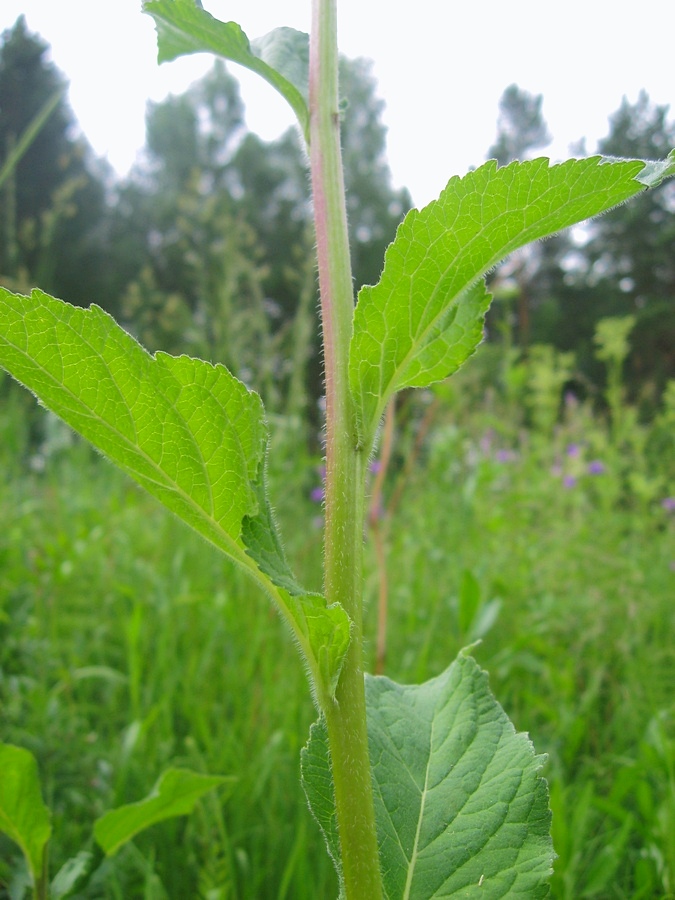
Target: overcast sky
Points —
{"points": [[441, 68]]}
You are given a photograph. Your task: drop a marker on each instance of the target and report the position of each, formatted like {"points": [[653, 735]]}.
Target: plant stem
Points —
{"points": [[345, 468]]}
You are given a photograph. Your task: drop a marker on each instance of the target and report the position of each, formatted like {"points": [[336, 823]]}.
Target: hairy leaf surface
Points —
{"points": [[187, 431], [425, 316], [175, 794], [23, 816], [460, 806], [280, 57], [317, 783]]}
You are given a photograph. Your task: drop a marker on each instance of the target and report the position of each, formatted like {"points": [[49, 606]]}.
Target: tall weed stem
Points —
{"points": [[345, 468]]}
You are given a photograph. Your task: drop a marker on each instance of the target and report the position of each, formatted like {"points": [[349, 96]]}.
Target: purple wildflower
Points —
{"points": [[375, 466], [596, 467], [668, 503], [573, 450], [569, 481], [317, 495], [504, 456]]}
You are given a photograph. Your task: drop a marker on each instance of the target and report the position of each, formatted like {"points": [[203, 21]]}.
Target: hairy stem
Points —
{"points": [[345, 464]]}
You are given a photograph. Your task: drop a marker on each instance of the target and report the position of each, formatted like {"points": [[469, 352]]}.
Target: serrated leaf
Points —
{"points": [[656, 171], [23, 816], [460, 806], [317, 783], [323, 631], [175, 794], [280, 57], [459, 801], [425, 316], [187, 431]]}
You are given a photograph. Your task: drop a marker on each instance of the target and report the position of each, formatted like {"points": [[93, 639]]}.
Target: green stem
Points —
{"points": [[345, 468]]}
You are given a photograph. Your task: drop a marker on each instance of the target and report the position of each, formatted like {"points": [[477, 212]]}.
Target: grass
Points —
{"points": [[127, 644]]}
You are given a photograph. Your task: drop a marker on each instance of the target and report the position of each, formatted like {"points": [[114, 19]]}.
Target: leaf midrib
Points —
{"points": [[418, 830]]}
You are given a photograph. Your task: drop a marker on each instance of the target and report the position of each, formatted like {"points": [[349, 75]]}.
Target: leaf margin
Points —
{"points": [[321, 632], [183, 27], [395, 287]]}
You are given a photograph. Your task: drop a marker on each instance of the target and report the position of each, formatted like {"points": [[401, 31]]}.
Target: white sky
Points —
{"points": [[441, 68]]}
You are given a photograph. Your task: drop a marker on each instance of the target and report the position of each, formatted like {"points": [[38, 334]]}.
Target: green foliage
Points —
{"points": [[425, 316], [26, 820], [23, 816], [620, 265], [279, 57], [586, 591], [419, 790], [611, 337], [459, 803], [187, 431], [54, 200], [175, 794], [28, 136]]}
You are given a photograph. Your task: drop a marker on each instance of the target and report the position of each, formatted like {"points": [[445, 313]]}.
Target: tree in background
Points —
{"points": [[632, 250], [374, 208], [623, 264], [208, 206], [624, 267], [54, 201], [521, 128]]}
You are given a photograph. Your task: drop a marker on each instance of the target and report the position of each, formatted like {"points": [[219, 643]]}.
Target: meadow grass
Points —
{"points": [[127, 644]]}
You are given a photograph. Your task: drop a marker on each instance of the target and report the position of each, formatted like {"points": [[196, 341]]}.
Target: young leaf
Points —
{"points": [[280, 57], [317, 783], [425, 316], [23, 816], [188, 432], [461, 809], [175, 794]]}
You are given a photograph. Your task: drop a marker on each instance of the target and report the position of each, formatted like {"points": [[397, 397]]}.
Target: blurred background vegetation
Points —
{"points": [[530, 501]]}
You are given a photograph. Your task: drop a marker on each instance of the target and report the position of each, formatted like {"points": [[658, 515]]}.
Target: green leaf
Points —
{"points": [[656, 171], [280, 57], [187, 431], [325, 628], [175, 794], [23, 816], [71, 874], [425, 316], [460, 807], [317, 782]]}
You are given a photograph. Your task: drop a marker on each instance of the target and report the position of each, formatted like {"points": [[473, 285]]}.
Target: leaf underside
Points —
{"points": [[425, 316], [280, 57], [187, 431], [460, 806], [317, 783]]}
